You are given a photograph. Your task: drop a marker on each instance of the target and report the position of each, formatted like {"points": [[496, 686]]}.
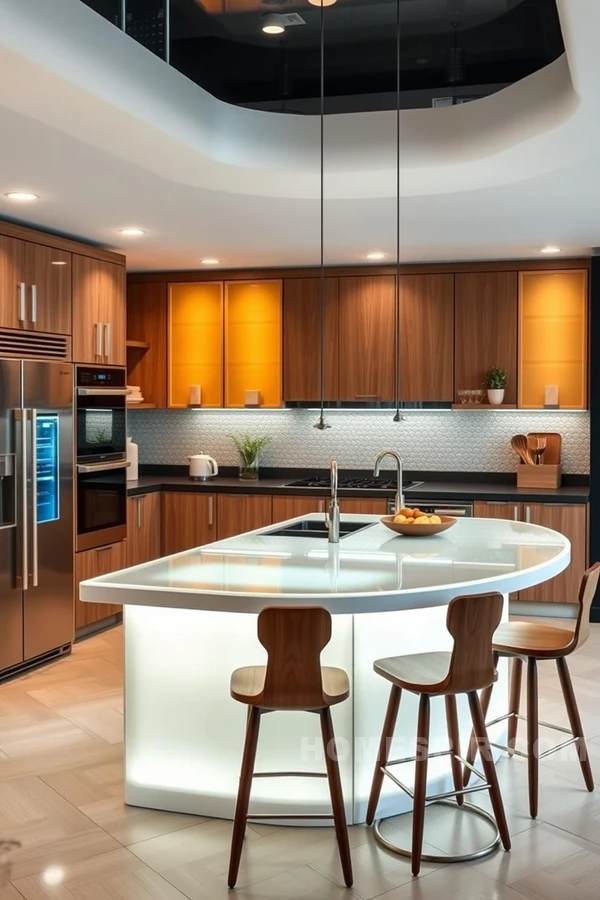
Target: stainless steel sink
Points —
{"points": [[317, 529]]}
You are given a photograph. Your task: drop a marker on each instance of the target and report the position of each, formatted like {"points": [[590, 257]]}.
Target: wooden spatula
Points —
{"points": [[519, 445]]}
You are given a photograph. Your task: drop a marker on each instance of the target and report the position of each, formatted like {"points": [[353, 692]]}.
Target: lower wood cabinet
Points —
{"points": [[91, 564], [143, 528], [364, 507], [238, 513], [568, 519], [285, 508], [188, 520]]}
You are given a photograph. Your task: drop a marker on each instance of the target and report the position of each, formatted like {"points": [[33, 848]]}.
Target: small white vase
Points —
{"points": [[495, 397]]}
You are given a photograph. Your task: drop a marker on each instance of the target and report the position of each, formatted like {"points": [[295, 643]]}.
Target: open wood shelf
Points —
{"points": [[139, 345], [141, 406], [476, 406]]}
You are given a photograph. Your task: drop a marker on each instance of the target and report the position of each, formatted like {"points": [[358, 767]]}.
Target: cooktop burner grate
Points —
{"points": [[354, 484]]}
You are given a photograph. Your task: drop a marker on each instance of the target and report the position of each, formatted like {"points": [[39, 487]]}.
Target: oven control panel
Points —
{"points": [[88, 376]]}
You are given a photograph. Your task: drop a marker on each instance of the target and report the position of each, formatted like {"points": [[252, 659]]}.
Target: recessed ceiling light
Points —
{"points": [[131, 232], [550, 249], [210, 262], [322, 2], [377, 254], [272, 23], [21, 195], [58, 262]]}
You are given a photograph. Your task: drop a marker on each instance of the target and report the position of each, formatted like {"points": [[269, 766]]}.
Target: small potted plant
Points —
{"points": [[249, 449], [495, 382]]}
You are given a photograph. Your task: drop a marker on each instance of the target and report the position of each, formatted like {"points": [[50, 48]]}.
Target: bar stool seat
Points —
{"points": [[248, 684], [422, 673], [530, 639]]}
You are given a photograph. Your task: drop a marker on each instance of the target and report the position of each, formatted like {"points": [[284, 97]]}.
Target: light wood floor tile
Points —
{"points": [[130, 824]]}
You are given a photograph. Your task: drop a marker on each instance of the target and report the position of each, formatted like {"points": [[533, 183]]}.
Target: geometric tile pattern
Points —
{"points": [[450, 441]]}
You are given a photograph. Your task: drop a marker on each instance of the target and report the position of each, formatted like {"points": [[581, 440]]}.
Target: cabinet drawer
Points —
{"points": [[91, 564]]}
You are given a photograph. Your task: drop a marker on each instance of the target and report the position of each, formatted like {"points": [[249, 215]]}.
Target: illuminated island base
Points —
{"points": [[190, 620]]}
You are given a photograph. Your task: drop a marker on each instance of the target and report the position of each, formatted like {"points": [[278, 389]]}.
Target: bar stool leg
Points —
{"points": [[420, 783], [514, 702], [486, 696], [488, 767], [243, 798], [384, 751], [532, 736], [337, 797], [575, 721], [454, 741]]}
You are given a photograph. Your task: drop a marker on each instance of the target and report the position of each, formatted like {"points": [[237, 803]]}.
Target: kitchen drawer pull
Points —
{"points": [[240, 496], [103, 549], [366, 396], [497, 502], [449, 512]]}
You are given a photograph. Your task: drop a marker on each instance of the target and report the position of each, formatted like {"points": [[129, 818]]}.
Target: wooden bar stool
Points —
{"points": [[532, 642], [293, 679], [468, 668]]}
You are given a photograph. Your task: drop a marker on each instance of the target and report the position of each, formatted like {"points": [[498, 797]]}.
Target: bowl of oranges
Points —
{"points": [[415, 523]]}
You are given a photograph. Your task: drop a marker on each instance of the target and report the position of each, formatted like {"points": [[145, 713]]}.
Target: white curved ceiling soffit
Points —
{"points": [[70, 80]]}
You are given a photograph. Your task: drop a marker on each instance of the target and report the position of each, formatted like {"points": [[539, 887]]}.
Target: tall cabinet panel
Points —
{"points": [[196, 343], [553, 337], [486, 312], [367, 340], [253, 339], [99, 311], [427, 338], [302, 339]]}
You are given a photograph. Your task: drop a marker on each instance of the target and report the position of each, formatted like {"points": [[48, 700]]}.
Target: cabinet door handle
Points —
{"points": [[321, 506], [22, 302], [367, 396], [139, 512], [98, 327], [210, 510], [34, 303], [516, 513], [528, 514], [107, 347], [497, 502]]}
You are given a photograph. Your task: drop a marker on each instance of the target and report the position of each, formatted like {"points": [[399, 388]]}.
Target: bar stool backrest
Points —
{"points": [[472, 621], [293, 637], [587, 592]]}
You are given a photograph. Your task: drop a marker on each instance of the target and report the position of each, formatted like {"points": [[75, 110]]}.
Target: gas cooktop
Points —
{"points": [[354, 484]]}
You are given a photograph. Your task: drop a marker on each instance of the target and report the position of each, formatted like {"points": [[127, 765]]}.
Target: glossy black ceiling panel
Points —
{"points": [[451, 50]]}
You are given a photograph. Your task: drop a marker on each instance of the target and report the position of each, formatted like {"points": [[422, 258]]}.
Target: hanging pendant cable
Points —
{"points": [[397, 416], [321, 424]]}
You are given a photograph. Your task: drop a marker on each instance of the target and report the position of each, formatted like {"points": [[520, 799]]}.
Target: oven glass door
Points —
{"points": [[101, 427], [101, 505]]}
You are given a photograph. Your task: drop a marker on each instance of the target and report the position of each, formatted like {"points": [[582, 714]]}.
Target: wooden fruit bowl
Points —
{"points": [[418, 530]]}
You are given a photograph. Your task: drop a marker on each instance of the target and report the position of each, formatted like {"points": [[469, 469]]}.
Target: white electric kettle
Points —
{"points": [[202, 466]]}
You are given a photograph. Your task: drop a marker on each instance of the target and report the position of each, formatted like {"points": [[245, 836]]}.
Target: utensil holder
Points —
{"points": [[545, 476]]}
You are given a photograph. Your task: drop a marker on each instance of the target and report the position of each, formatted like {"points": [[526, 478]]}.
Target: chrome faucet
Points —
{"points": [[399, 501], [332, 518]]}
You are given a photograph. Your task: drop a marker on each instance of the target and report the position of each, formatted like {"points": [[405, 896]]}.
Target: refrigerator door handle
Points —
{"points": [[34, 517], [21, 414]]}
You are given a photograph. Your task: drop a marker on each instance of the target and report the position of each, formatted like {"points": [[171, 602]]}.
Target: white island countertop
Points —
{"points": [[372, 570]]}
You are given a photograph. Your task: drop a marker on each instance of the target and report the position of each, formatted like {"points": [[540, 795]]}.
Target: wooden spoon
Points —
{"points": [[519, 445]]}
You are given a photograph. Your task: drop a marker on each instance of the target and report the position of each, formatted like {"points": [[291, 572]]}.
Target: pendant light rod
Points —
{"points": [[321, 425], [397, 416]]}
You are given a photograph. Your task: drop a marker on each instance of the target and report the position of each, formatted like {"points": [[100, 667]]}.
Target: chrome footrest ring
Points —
{"points": [[445, 857]]}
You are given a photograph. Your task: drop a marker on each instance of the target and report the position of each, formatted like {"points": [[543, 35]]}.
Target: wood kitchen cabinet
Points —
{"points": [[92, 564], [253, 342], [486, 317], [363, 507], [285, 508], [143, 528], [147, 341], [570, 520], [497, 510], [302, 339], [238, 513], [367, 344], [12, 276], [188, 520], [35, 287], [195, 343], [99, 311], [427, 338]]}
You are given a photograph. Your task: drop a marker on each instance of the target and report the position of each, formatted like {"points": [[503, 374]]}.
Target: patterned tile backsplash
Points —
{"points": [[452, 441]]}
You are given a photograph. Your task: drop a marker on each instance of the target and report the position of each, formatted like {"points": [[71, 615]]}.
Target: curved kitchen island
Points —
{"points": [[190, 619]]}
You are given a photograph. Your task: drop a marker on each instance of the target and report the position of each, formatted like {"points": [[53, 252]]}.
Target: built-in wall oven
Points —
{"points": [[101, 441]]}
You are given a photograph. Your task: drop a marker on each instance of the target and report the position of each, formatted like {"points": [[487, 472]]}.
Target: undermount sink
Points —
{"points": [[316, 529]]}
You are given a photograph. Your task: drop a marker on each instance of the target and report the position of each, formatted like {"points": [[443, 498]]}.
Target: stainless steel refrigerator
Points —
{"points": [[36, 510]]}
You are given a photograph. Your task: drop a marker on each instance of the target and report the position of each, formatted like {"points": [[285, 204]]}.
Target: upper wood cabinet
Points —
{"points": [[238, 513], [427, 338], [147, 340], [35, 287], [553, 337], [367, 339], [302, 339], [253, 342], [195, 346], [99, 311], [486, 313]]}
